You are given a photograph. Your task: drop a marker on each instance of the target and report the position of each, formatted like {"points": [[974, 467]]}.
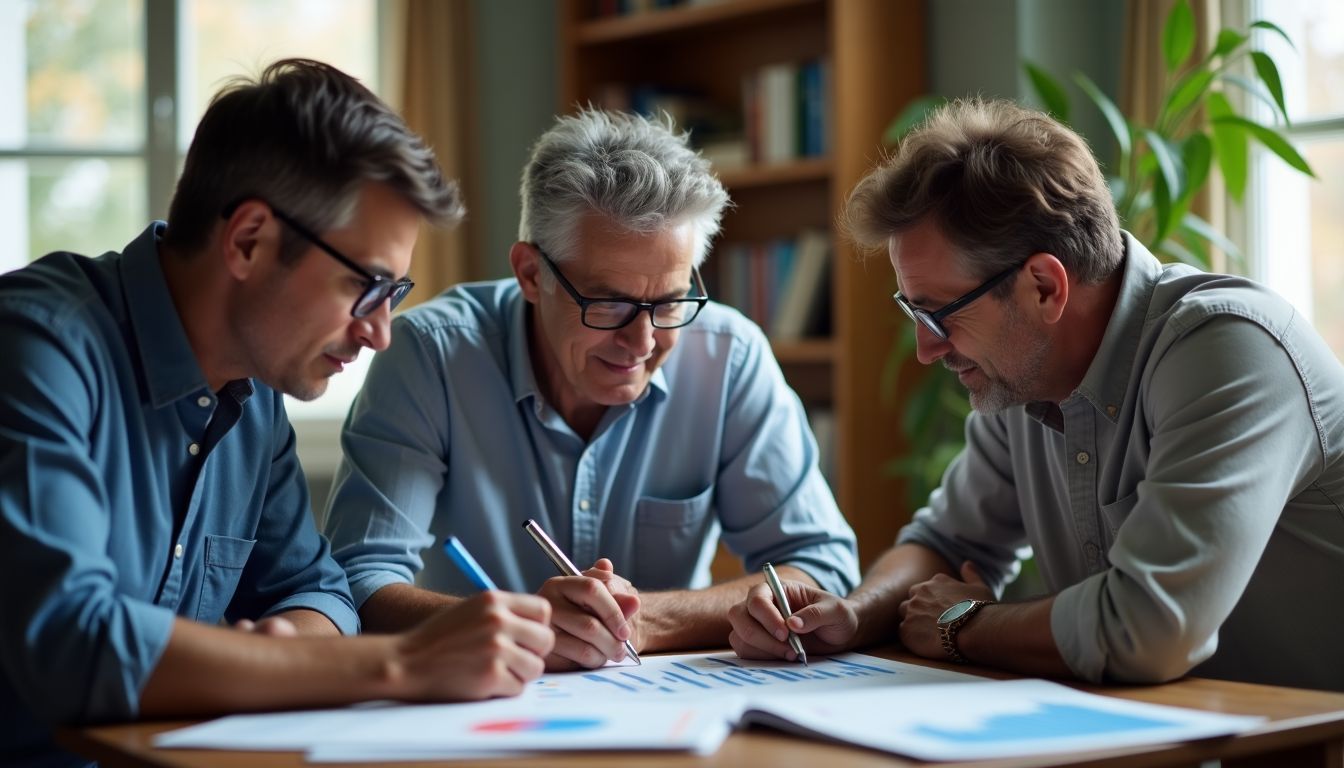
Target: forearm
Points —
{"points": [[1015, 637], [698, 618], [309, 623], [877, 600], [208, 670], [398, 607]]}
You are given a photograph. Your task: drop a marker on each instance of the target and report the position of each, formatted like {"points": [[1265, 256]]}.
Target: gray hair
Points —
{"points": [[633, 170], [1000, 182], [305, 137]]}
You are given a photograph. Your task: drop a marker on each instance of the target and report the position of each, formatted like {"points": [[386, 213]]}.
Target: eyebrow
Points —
{"points": [[606, 292]]}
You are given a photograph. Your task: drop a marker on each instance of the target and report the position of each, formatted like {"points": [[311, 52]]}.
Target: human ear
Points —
{"points": [[246, 233], [525, 260], [1048, 282]]}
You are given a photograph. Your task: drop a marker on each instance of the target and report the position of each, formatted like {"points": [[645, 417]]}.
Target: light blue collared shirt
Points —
{"points": [[130, 494], [451, 436]]}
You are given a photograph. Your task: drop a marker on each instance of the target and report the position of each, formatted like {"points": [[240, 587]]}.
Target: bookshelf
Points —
{"points": [[874, 64]]}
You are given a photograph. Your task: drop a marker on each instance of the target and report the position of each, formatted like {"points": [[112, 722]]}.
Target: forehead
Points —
{"points": [[927, 265], [609, 257]]}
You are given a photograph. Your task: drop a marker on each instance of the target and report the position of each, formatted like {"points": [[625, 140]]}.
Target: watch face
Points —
{"points": [[955, 612]]}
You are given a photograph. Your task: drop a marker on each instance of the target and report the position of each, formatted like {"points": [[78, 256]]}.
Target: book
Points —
{"points": [[802, 293]]}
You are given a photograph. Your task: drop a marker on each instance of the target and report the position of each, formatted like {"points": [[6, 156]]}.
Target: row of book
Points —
{"points": [[783, 285], [604, 8], [783, 115]]}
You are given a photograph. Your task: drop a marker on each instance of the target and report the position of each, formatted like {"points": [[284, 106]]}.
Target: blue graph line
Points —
{"points": [[617, 683], [857, 665], [686, 680], [633, 676]]}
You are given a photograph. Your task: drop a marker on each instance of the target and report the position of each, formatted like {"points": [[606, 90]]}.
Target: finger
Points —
{"points": [[245, 625], [971, 574], [576, 652], [594, 598], [603, 564], [533, 636], [523, 664], [762, 609], [752, 631], [588, 630], [814, 617], [768, 648], [530, 607]]}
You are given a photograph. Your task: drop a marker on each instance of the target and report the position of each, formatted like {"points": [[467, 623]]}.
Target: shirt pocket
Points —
{"points": [[671, 539], [225, 558], [1114, 515]]}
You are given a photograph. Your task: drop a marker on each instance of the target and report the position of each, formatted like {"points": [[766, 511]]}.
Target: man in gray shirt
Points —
{"points": [[1167, 441]]}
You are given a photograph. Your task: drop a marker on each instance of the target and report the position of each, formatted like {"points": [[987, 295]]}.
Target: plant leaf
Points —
{"points": [[1178, 35], [1230, 145], [1167, 163], [1197, 157], [1114, 117], [1251, 87], [1204, 229], [1050, 91], [913, 114], [1272, 141], [1269, 75], [1187, 92], [1271, 26], [1162, 201], [1181, 254], [1229, 40]]}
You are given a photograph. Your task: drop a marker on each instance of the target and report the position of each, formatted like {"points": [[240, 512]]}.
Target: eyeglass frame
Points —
{"points": [[933, 320], [640, 306], [373, 284]]}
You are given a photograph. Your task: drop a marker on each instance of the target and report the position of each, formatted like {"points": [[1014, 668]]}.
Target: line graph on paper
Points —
{"points": [[696, 675]]}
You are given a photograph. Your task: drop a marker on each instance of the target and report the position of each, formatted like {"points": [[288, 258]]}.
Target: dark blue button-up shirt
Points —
{"points": [[130, 494]]}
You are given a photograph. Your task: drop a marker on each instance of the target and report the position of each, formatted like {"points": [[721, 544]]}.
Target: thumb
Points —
{"points": [[807, 619], [971, 574]]}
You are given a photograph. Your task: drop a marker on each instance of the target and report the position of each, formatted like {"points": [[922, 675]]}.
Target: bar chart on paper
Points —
{"points": [[699, 674]]}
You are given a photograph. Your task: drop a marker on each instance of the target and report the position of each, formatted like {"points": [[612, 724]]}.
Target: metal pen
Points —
{"points": [[772, 579], [563, 565]]}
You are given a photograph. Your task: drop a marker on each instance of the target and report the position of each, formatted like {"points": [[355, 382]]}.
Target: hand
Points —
{"points": [[271, 626], [825, 623], [591, 615], [927, 601], [490, 645]]}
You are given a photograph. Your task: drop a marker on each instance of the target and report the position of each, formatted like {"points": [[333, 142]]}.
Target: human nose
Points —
{"points": [[637, 336], [374, 330], [929, 346]]}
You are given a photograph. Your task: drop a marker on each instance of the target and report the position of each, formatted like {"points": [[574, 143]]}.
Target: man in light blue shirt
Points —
{"points": [[149, 489], [600, 393]]}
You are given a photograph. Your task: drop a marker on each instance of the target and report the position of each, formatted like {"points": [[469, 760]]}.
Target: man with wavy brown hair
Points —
{"points": [[1165, 440]]}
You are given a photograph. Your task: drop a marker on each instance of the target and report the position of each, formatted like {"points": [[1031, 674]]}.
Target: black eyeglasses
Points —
{"points": [[377, 288], [934, 320], [610, 314]]}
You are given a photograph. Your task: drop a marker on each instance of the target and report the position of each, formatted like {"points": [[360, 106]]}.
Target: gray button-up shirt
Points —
{"points": [[1184, 502]]}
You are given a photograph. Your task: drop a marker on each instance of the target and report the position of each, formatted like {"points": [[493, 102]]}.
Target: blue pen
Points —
{"points": [[467, 564]]}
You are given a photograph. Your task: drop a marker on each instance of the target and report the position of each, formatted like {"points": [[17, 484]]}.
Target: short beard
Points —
{"points": [[1022, 378]]}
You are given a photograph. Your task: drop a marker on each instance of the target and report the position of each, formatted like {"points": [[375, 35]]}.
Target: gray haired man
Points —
{"points": [[600, 392]]}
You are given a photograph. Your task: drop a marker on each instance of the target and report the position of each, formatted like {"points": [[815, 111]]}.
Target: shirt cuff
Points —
{"points": [[364, 584], [337, 610], [152, 627], [1075, 625]]}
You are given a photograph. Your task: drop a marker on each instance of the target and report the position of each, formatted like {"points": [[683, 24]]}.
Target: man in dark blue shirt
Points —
{"points": [[149, 488]]}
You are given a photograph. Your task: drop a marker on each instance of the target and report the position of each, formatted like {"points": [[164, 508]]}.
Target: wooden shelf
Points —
{"points": [[677, 19], [811, 169], [804, 351]]}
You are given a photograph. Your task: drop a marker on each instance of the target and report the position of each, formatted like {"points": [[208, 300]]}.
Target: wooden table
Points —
{"points": [[1305, 729]]}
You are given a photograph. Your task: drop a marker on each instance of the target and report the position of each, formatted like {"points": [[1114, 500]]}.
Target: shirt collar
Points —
{"points": [[170, 367], [1107, 378], [523, 378]]}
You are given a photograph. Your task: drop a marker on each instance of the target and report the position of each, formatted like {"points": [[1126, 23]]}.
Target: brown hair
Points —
{"points": [[1001, 182], [304, 137]]}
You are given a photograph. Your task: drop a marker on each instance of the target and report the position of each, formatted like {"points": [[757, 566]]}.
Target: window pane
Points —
{"points": [[88, 206], [72, 74], [223, 39], [1313, 75]]}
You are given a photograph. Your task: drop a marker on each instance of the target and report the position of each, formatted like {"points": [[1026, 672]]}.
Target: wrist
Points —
{"points": [[952, 628]]}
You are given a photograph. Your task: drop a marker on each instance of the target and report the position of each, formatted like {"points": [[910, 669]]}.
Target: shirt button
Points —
{"points": [[203, 401], [584, 505], [177, 552], [193, 449], [1110, 410], [1091, 549], [1082, 457]]}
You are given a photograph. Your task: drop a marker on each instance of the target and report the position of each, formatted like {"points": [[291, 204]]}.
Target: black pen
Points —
{"points": [[563, 565]]}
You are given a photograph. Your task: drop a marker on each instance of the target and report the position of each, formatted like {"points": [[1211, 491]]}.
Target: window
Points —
{"points": [[96, 113], [1294, 230]]}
